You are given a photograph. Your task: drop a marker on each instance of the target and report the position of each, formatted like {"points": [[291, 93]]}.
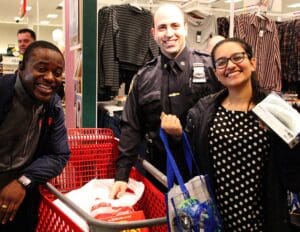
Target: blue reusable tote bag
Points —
{"points": [[190, 205], [295, 210]]}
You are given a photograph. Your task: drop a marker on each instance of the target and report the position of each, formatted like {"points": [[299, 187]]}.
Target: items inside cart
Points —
{"points": [[93, 155]]}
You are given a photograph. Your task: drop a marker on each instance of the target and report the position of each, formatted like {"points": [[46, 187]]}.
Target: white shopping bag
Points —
{"points": [[96, 191]]}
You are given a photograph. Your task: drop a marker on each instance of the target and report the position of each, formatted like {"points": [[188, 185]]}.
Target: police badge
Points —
{"points": [[198, 73]]}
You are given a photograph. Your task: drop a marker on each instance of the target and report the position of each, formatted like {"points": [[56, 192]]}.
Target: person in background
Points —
{"points": [[212, 42], [171, 83], [33, 144], [25, 37], [210, 45], [250, 167]]}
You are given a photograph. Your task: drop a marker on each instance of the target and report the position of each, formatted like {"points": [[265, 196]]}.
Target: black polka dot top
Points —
{"points": [[239, 149]]}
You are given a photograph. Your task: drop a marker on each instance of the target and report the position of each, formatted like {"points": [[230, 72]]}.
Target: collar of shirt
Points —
{"points": [[180, 61], [254, 20], [203, 22]]}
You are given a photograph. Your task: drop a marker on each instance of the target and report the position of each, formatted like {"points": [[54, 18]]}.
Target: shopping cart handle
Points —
{"points": [[162, 178], [66, 200]]}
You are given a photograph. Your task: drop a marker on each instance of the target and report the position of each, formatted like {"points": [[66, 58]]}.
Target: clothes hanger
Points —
{"points": [[262, 13], [136, 5], [195, 15], [198, 13]]}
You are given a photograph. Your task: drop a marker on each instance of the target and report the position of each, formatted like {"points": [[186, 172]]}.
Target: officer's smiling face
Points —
{"points": [[169, 30]]}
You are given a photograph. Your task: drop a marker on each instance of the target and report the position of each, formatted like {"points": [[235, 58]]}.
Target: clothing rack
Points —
{"points": [[289, 16], [205, 6], [197, 2], [149, 4], [201, 6]]}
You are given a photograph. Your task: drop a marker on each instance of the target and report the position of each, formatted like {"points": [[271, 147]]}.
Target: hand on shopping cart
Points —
{"points": [[11, 197], [118, 189]]}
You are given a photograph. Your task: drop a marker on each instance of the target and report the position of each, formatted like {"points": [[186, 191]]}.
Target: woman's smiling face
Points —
{"points": [[239, 67]]}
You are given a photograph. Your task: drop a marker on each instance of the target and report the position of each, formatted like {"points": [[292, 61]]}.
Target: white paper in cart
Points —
{"points": [[96, 191]]}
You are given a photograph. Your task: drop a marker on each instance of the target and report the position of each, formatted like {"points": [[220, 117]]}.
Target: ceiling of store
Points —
{"points": [[218, 4], [40, 8]]}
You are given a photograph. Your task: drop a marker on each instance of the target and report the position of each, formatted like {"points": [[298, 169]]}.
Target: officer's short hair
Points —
{"points": [[173, 5]]}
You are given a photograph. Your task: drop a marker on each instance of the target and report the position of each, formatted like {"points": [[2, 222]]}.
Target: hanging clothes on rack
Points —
{"points": [[108, 72], [263, 36], [223, 26], [125, 44], [289, 40], [200, 29]]}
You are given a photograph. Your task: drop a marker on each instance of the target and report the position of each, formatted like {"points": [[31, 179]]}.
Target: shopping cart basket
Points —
{"points": [[93, 155]]}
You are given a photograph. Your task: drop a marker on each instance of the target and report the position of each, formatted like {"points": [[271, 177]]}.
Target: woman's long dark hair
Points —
{"points": [[257, 94]]}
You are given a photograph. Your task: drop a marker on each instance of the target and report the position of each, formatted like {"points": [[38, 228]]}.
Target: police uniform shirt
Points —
{"points": [[172, 86], [184, 81]]}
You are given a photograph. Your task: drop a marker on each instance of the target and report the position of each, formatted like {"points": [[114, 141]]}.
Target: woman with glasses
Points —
{"points": [[249, 166]]}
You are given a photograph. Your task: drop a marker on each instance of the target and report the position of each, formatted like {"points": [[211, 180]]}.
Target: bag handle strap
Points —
{"points": [[295, 202], [172, 168]]}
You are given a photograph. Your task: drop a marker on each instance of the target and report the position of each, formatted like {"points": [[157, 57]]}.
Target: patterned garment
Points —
{"points": [[239, 149], [223, 26], [121, 29], [289, 39], [262, 35]]}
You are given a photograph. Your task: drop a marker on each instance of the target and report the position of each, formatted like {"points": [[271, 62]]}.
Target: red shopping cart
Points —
{"points": [[93, 155]]}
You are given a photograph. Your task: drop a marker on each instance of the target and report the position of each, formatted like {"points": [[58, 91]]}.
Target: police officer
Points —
{"points": [[172, 83]]}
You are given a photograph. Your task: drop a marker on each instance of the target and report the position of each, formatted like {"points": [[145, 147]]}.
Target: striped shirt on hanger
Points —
{"points": [[262, 35]]}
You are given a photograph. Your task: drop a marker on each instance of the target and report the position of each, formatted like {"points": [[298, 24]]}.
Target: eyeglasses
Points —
{"points": [[235, 58]]}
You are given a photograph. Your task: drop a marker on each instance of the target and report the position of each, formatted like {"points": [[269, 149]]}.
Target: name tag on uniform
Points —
{"points": [[175, 94], [198, 73]]}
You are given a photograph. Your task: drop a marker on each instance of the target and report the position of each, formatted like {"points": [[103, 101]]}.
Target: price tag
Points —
{"points": [[261, 33], [198, 37]]}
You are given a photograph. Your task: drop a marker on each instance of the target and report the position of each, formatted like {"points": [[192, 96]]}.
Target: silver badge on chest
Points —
{"points": [[198, 73]]}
